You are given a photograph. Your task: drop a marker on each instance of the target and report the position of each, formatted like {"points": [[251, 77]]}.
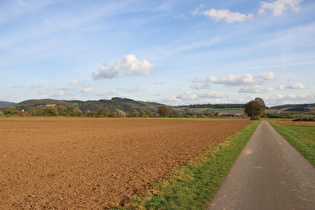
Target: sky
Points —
{"points": [[175, 52]]}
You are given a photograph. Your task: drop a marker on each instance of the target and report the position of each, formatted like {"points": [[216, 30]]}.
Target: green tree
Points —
{"points": [[255, 109], [217, 114], [134, 113], [142, 113], [91, 114], [48, 111], [148, 113], [72, 111], [118, 113], [5, 112], [164, 111], [104, 112], [32, 112], [62, 112], [8, 112]]}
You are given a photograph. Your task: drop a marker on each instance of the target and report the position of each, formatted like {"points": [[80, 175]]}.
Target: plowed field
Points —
{"points": [[294, 123], [94, 163]]}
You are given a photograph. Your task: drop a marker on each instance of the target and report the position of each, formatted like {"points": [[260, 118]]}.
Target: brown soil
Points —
{"points": [[95, 163], [294, 123]]}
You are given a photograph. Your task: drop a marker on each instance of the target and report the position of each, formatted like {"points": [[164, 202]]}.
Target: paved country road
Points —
{"points": [[269, 174]]}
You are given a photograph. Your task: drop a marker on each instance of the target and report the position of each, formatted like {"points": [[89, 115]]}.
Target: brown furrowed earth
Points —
{"points": [[95, 163], [294, 123]]}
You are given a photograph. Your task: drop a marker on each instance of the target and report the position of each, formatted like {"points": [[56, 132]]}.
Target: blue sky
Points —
{"points": [[169, 51]]}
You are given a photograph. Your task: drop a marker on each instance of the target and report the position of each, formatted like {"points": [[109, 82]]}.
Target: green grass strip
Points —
{"points": [[298, 139], [194, 185], [307, 132]]}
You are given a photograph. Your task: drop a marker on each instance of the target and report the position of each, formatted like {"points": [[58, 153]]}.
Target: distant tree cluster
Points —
{"points": [[216, 106], [162, 111], [9, 112], [76, 112], [124, 107]]}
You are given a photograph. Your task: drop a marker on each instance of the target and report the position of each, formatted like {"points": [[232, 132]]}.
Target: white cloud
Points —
{"points": [[169, 101], [268, 76], [197, 10], [234, 80], [187, 96], [75, 82], [133, 65], [213, 95], [255, 89], [104, 72], [279, 6], [279, 99], [296, 86], [228, 16], [130, 65], [281, 87], [87, 90], [193, 96]]}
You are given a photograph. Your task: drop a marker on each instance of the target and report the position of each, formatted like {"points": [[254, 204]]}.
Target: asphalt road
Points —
{"points": [[269, 174]]}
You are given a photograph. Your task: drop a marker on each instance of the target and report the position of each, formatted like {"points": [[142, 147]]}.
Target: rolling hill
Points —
{"points": [[128, 105], [124, 104], [6, 103]]}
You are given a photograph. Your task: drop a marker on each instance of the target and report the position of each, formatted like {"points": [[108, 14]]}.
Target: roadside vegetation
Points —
{"points": [[300, 137], [194, 185]]}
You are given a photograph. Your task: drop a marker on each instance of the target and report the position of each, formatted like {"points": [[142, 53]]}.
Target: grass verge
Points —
{"points": [[307, 132], [194, 185], [300, 138]]}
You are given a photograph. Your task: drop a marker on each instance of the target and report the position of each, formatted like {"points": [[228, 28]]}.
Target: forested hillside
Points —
{"points": [[6, 103], [130, 107]]}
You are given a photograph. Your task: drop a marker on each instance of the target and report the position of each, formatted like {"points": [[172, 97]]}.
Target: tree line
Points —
{"points": [[76, 112], [255, 109], [161, 111]]}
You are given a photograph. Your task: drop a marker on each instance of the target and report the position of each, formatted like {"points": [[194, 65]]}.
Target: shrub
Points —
{"points": [[256, 117], [305, 118], [118, 113]]}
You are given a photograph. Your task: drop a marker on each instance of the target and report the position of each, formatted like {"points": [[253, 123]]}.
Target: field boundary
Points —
{"points": [[194, 185], [299, 141]]}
